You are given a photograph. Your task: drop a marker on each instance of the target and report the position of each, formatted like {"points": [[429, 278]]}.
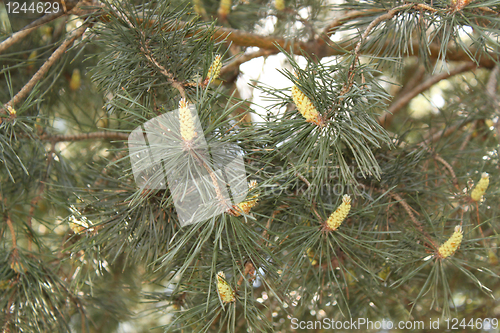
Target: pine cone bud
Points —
{"points": [[11, 110], [452, 244], [226, 293], [305, 106], [279, 4], [198, 7], [224, 8], [215, 67], [478, 192], [311, 254], [339, 215], [458, 5], [186, 121], [246, 206]]}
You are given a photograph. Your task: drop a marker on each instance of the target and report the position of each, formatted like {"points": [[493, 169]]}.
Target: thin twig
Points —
{"points": [[417, 223], [466, 141], [19, 35], [85, 136], [450, 169], [149, 55], [445, 132], [244, 38], [339, 21], [389, 15], [406, 98], [45, 67], [386, 119], [249, 269], [164, 71], [12, 233], [491, 88], [38, 196]]}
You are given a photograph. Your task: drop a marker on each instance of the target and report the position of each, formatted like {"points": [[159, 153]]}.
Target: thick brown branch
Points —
{"points": [[85, 136], [319, 48], [244, 58]]}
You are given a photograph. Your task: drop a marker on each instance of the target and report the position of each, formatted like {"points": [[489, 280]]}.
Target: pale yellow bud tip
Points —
{"points": [[452, 244], [11, 110]]}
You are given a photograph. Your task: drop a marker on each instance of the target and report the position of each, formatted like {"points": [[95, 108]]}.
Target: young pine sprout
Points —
{"points": [[306, 107], [226, 293], [451, 245], [224, 8], [186, 121], [215, 67], [339, 215], [247, 205], [478, 192], [279, 4]]}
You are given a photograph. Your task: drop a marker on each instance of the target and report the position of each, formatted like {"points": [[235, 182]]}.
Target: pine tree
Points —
{"points": [[370, 185]]}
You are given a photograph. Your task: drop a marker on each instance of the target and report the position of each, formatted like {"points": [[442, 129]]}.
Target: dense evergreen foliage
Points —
{"points": [[373, 176]]}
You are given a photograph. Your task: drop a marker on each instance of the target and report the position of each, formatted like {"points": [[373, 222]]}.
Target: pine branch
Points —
{"points": [[339, 21], [148, 54], [18, 36], [416, 222], [44, 69], [389, 15], [244, 58], [406, 98], [431, 138], [85, 136], [319, 48]]}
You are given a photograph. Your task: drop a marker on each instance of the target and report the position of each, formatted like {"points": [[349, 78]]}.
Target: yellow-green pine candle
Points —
{"points": [[246, 206], [312, 256], [339, 215], [305, 106], [226, 293], [224, 8], [215, 67], [198, 8], [186, 121], [478, 192], [452, 244], [76, 80], [279, 4]]}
